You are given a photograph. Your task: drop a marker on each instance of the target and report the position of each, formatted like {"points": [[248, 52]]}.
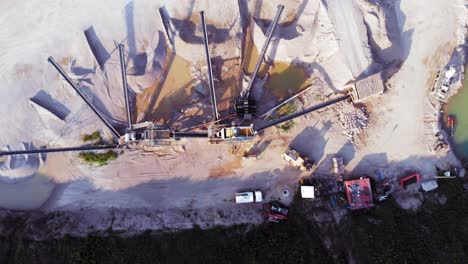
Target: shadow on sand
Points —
{"points": [[394, 56], [311, 141], [95, 44]]}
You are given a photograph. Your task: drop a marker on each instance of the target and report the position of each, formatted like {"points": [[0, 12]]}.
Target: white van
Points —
{"points": [[249, 197]]}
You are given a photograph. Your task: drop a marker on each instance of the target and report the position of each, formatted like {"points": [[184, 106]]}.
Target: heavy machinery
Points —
{"points": [[221, 132], [275, 211], [146, 133], [294, 158], [245, 106], [237, 133]]}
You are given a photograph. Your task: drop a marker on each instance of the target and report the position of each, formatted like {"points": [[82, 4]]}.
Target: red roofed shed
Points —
{"points": [[359, 193]]}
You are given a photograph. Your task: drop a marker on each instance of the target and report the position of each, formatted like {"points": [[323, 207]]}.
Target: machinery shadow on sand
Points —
{"points": [[96, 46], [311, 141]]}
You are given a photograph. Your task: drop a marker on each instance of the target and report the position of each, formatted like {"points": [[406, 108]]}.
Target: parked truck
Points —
{"points": [[249, 197]]}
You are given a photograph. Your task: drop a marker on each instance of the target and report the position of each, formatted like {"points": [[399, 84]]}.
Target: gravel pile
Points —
{"points": [[353, 120]]}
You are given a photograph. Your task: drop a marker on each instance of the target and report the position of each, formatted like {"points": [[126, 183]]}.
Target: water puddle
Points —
{"points": [[457, 107], [286, 79]]}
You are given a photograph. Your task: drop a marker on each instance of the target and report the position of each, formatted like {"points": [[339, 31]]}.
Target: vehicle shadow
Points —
{"points": [[311, 142]]}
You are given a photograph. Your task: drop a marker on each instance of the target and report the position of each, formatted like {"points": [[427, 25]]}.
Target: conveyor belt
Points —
{"points": [[125, 85], [210, 69], [80, 93], [269, 35], [175, 134], [39, 151]]}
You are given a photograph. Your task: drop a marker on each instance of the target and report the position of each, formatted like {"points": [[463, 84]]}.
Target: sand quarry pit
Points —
{"points": [[318, 45]]}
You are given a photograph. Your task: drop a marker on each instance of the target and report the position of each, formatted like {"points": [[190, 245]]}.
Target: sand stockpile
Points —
{"points": [[144, 68], [223, 26], [351, 34], [146, 47], [327, 35]]}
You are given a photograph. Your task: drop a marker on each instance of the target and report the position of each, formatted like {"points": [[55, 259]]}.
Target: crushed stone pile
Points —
{"points": [[353, 119]]}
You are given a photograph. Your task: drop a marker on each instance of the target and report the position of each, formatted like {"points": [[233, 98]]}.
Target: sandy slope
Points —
{"points": [[401, 133], [351, 35]]}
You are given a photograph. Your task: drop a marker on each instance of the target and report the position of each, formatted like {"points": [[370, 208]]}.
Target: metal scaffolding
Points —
{"points": [[80, 93]]}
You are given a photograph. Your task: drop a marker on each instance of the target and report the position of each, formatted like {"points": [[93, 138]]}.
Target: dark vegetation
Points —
{"points": [[93, 137], [434, 234], [291, 242], [98, 157], [285, 110], [385, 234]]}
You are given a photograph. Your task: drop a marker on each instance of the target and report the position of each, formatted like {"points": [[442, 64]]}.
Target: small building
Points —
{"points": [[359, 193], [408, 180], [308, 192], [367, 87], [429, 185]]}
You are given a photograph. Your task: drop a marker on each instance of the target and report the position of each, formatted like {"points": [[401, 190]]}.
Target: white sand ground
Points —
{"points": [[194, 182]]}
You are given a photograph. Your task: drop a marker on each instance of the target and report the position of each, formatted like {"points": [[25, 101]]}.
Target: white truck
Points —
{"points": [[249, 197]]}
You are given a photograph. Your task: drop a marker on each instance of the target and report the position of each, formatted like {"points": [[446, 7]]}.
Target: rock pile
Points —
{"points": [[353, 120], [440, 145]]}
